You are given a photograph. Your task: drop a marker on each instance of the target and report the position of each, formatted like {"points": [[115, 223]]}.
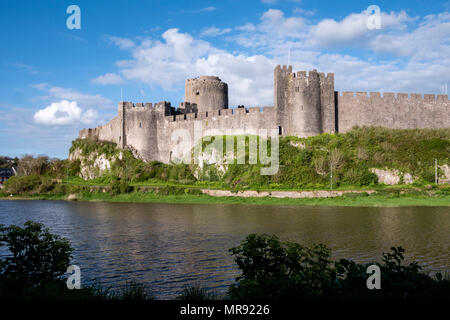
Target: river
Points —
{"points": [[168, 246]]}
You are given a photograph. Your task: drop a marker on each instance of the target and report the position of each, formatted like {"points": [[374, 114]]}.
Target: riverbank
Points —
{"points": [[351, 199]]}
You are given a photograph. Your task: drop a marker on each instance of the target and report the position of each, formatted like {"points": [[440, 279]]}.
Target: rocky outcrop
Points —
{"points": [[446, 171], [94, 165], [391, 177], [281, 194], [210, 156]]}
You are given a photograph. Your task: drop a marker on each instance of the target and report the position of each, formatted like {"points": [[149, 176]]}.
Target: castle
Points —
{"points": [[305, 104]]}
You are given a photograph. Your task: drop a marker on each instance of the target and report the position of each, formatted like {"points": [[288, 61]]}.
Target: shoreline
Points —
{"points": [[346, 199]]}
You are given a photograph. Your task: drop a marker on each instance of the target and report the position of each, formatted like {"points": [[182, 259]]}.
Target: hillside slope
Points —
{"points": [[363, 156]]}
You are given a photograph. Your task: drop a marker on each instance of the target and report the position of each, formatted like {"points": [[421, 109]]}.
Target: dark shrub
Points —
{"points": [[22, 184], [277, 270], [119, 186], [36, 255], [281, 270]]}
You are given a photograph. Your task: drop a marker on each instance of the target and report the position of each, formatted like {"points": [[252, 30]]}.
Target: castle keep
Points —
{"points": [[305, 104]]}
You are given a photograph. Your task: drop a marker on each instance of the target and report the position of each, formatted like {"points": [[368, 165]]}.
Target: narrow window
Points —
{"points": [[198, 93], [140, 125], [280, 130]]}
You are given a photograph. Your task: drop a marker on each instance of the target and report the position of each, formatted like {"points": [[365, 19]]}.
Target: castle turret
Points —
{"points": [[280, 95], [304, 102], [207, 92], [305, 109]]}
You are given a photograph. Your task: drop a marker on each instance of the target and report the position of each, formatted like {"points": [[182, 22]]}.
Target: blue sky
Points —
{"points": [[55, 80]]}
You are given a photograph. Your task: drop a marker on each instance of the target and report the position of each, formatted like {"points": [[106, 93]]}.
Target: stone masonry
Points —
{"points": [[305, 104]]}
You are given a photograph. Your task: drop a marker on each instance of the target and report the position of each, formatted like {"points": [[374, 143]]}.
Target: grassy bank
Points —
{"points": [[350, 200], [345, 160], [361, 160]]}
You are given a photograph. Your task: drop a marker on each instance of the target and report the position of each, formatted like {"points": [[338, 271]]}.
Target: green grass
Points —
{"points": [[304, 162], [304, 165], [350, 201]]}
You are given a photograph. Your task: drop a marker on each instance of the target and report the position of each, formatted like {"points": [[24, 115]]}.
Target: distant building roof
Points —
{"points": [[6, 172]]}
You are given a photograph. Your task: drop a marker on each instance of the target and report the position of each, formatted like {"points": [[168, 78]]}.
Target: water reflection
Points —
{"points": [[169, 245]]}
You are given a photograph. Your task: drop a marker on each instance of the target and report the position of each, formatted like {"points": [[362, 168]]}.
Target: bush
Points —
{"points": [[304, 162], [196, 293], [46, 185], [36, 256], [277, 270], [133, 291], [36, 264], [22, 184], [73, 168], [119, 186]]}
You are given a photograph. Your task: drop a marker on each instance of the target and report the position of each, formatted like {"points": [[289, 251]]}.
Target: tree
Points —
{"points": [[36, 256], [276, 270], [29, 165]]}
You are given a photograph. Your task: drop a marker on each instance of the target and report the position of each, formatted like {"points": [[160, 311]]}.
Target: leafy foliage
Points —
{"points": [[305, 163], [37, 256], [277, 270], [36, 264], [196, 293]]}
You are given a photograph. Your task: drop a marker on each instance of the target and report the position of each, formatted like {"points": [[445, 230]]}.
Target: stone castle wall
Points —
{"points": [[305, 104], [392, 111], [194, 126]]}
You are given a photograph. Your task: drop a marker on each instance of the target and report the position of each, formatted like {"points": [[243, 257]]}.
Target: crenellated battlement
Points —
{"points": [[283, 68], [219, 114], [396, 96], [329, 77], [140, 105]]}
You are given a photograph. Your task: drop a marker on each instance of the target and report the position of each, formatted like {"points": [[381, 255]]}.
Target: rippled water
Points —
{"points": [[167, 246]]}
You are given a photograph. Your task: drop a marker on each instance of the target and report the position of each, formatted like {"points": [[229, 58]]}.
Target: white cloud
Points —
{"points": [[108, 78], [273, 31], [165, 63], [40, 86], [274, 21], [430, 40], [70, 107], [122, 43], [25, 67], [248, 27], [304, 12], [64, 112], [85, 100], [353, 28], [208, 9], [179, 56], [423, 47], [89, 117], [214, 32], [201, 10]]}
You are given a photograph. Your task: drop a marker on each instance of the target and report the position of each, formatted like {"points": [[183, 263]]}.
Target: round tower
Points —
{"points": [[208, 92], [305, 109]]}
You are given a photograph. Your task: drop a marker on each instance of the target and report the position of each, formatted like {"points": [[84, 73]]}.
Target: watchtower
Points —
{"points": [[208, 92], [303, 101]]}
